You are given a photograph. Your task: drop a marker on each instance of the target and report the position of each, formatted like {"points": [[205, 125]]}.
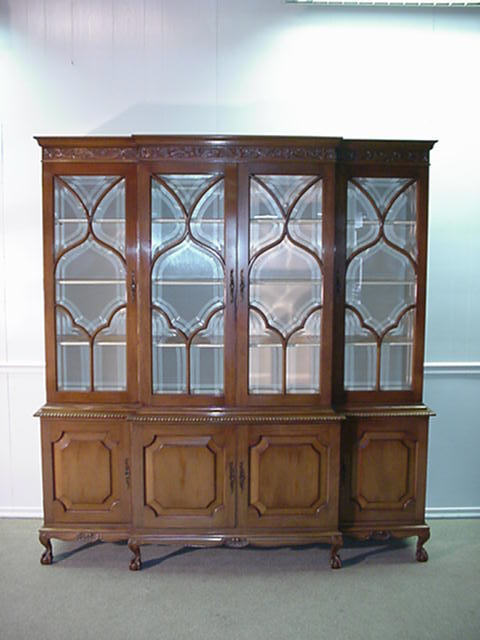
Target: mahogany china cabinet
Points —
{"points": [[234, 341]]}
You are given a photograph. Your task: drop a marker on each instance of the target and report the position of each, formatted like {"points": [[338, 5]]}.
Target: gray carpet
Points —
{"points": [[237, 594]]}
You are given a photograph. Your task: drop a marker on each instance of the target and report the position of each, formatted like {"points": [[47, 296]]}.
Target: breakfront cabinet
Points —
{"points": [[234, 340]]}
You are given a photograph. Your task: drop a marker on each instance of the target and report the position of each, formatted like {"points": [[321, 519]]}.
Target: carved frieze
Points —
{"points": [[384, 156], [219, 152], [89, 153], [235, 152]]}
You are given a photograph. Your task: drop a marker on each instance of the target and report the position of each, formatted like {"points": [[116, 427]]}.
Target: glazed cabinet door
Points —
{"points": [[188, 230], [90, 281], [184, 476], [288, 476], [385, 261], [285, 284], [86, 471], [384, 470]]}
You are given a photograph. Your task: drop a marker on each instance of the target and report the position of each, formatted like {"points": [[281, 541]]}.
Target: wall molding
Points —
{"points": [[430, 368], [452, 512], [21, 367], [452, 368]]}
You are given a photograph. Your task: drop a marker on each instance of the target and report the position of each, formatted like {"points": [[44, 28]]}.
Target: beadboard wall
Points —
{"points": [[115, 67]]}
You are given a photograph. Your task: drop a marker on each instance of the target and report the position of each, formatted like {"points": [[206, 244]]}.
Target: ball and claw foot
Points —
{"points": [[335, 560], [136, 561], [47, 555], [421, 555]]}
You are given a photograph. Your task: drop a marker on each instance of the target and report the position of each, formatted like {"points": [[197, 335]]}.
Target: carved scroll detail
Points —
{"points": [[89, 153], [236, 543], [390, 156], [235, 152]]}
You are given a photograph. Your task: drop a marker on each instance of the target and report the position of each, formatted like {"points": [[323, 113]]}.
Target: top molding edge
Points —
{"points": [[233, 148]]}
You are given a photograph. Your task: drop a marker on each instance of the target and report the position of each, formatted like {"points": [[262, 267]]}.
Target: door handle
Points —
{"points": [[133, 286], [231, 467], [242, 284], [232, 287], [242, 476], [127, 473]]}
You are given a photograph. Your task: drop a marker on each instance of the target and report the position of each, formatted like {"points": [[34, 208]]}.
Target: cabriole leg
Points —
{"points": [[136, 561], [47, 555], [421, 554], [335, 561]]}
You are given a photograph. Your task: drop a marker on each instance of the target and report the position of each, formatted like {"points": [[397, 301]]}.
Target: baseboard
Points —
{"points": [[452, 512], [21, 512]]}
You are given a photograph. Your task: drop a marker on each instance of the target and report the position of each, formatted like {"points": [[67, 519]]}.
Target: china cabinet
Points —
{"points": [[234, 340]]}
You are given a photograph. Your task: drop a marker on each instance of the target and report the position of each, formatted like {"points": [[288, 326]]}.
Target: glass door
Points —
{"points": [[91, 277], [382, 262], [190, 275], [282, 283]]}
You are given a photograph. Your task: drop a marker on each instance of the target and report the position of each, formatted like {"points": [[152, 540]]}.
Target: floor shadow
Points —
{"points": [[153, 562], [366, 550], [63, 555]]}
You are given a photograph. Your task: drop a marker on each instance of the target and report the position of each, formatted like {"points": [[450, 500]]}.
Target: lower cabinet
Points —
{"points": [[156, 479], [86, 472], [240, 477], [383, 471]]}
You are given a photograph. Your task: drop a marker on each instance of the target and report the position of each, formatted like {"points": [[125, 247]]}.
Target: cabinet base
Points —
{"points": [[236, 539], [84, 534], [385, 532], [239, 540]]}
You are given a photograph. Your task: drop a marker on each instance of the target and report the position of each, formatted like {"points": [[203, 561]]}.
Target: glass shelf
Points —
{"points": [[381, 282], [265, 341], [368, 222], [264, 219], [98, 343], [189, 282], [85, 220], [79, 341], [82, 282], [266, 345], [182, 220], [372, 343], [176, 345], [286, 280]]}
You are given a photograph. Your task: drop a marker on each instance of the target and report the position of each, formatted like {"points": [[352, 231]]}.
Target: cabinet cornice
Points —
{"points": [[234, 148]]}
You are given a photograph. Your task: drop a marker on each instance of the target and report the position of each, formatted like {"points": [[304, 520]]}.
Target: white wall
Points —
{"points": [[83, 67]]}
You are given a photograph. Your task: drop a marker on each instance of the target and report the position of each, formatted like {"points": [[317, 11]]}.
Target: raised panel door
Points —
{"points": [[184, 477], [86, 469], [384, 461], [288, 476]]}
